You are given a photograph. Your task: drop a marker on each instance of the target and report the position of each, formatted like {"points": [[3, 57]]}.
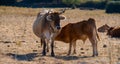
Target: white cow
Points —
{"points": [[47, 26]]}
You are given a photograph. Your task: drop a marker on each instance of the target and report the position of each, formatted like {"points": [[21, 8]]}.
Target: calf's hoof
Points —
{"points": [[68, 54]]}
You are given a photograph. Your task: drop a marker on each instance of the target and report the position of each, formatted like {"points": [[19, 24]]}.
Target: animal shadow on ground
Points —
{"points": [[31, 56], [71, 57], [23, 57]]}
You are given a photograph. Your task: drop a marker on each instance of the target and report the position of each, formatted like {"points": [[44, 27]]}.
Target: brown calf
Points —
{"points": [[80, 30]]}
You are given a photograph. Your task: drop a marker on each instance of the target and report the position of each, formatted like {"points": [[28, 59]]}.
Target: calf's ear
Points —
{"points": [[62, 17], [49, 18]]}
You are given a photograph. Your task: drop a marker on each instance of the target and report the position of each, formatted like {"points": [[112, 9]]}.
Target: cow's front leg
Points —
{"points": [[44, 47], [47, 44], [52, 48]]}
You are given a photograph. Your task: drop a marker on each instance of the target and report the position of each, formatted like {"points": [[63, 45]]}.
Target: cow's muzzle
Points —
{"points": [[58, 27]]}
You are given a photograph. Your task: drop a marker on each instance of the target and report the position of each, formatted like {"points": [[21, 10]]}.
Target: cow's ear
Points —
{"points": [[38, 14], [49, 18], [62, 17]]}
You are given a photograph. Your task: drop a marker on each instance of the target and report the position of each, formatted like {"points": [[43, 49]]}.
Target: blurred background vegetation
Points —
{"points": [[111, 6]]}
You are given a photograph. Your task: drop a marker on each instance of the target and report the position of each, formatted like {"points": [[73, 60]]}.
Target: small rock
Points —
{"points": [[34, 50], [8, 45], [104, 46], [36, 41], [7, 41], [82, 52], [14, 42], [81, 49]]}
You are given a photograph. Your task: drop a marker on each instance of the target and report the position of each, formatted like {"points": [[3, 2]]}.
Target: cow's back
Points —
{"points": [[38, 25], [82, 30]]}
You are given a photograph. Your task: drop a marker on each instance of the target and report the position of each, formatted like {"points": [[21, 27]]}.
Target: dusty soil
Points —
{"points": [[18, 44]]}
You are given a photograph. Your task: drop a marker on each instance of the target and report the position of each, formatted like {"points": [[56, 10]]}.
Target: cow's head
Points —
{"points": [[103, 28], [54, 19]]}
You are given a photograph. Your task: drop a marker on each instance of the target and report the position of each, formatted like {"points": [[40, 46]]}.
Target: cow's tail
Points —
{"points": [[98, 36], [92, 21], [97, 33]]}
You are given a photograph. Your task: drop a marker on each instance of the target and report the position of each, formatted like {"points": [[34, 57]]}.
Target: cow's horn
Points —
{"points": [[62, 11], [50, 10]]}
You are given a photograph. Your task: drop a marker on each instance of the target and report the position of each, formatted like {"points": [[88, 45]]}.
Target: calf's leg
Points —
{"points": [[74, 46], [94, 46], [69, 51]]}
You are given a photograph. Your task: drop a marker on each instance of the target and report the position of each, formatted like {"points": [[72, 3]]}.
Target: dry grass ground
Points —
{"points": [[18, 44]]}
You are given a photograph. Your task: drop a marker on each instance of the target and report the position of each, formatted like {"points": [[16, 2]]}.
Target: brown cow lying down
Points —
{"points": [[114, 32], [103, 28], [80, 30]]}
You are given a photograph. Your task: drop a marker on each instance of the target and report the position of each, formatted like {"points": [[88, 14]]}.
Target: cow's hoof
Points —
{"points": [[44, 54], [52, 54], [94, 55]]}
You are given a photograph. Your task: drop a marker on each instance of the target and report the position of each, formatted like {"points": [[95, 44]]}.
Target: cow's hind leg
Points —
{"points": [[69, 51], [94, 46], [44, 47]]}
